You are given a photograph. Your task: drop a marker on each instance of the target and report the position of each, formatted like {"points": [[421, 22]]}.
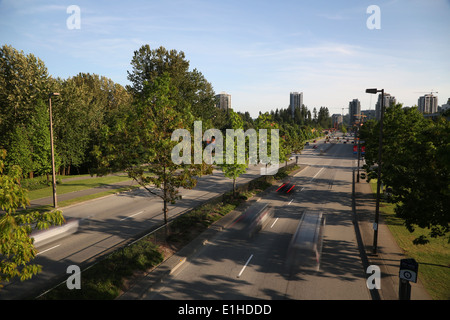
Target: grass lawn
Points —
{"points": [[76, 185], [433, 257]]}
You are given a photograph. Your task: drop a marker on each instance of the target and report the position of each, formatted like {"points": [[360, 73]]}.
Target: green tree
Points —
{"points": [[40, 140], [194, 93], [235, 169], [265, 121], [142, 145], [87, 102], [23, 80], [414, 166], [17, 250], [20, 149], [24, 84]]}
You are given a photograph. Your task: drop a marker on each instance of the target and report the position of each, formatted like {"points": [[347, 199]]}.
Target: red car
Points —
{"points": [[286, 188]]}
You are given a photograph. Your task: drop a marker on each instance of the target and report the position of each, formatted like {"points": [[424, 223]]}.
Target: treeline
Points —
{"points": [[415, 166], [89, 104], [294, 131], [86, 103]]}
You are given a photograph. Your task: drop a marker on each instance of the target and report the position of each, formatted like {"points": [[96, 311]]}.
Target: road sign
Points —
{"points": [[408, 270]]}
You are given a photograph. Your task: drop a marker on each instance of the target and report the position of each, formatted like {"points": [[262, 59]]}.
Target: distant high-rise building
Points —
{"points": [[336, 119], [223, 101], [354, 110], [296, 100], [428, 104], [388, 101]]}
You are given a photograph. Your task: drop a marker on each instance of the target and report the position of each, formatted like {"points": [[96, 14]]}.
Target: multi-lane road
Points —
{"points": [[106, 222], [232, 266]]}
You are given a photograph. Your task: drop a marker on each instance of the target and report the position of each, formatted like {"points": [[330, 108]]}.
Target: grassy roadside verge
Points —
{"points": [[433, 257], [68, 185], [110, 276]]}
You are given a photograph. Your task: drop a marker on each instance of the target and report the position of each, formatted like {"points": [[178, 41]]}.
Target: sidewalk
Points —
{"points": [[389, 253]]}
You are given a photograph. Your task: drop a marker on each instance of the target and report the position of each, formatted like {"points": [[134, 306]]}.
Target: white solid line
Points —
{"points": [[290, 201], [243, 268], [132, 215], [316, 174], [48, 249], [274, 223]]}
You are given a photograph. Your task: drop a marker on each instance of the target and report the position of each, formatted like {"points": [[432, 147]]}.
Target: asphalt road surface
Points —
{"points": [[106, 222], [232, 266]]}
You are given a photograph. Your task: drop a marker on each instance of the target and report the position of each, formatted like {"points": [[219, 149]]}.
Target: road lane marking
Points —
{"points": [[291, 200], [316, 174], [274, 223], [132, 215], [48, 249], [243, 268]]}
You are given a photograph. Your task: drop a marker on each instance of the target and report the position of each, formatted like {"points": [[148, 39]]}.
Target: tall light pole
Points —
{"points": [[55, 203], [360, 123], [380, 146]]}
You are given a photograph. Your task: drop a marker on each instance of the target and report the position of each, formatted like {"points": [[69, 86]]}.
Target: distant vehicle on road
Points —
{"points": [[307, 143], [286, 188], [314, 146], [305, 248]]}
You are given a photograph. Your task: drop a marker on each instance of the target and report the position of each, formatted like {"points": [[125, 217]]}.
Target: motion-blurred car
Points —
{"points": [[255, 218], [286, 188], [305, 248]]}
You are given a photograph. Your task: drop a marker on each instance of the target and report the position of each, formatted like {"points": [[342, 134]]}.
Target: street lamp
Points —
{"points": [[51, 145], [380, 146]]}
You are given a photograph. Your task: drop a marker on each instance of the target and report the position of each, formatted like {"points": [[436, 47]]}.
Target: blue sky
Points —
{"points": [[257, 51]]}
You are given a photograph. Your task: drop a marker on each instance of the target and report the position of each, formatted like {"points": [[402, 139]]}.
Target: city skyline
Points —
{"points": [[258, 52]]}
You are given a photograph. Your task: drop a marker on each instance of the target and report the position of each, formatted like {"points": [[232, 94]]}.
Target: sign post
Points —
{"points": [[408, 273]]}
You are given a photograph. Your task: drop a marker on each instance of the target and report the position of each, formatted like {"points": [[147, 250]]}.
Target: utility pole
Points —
{"points": [[55, 203]]}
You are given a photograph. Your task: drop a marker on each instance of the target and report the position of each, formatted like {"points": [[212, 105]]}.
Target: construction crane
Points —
{"points": [[430, 92]]}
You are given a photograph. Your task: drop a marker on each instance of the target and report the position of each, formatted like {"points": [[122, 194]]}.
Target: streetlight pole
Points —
{"points": [[55, 203], [360, 123], [380, 146], [359, 150]]}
